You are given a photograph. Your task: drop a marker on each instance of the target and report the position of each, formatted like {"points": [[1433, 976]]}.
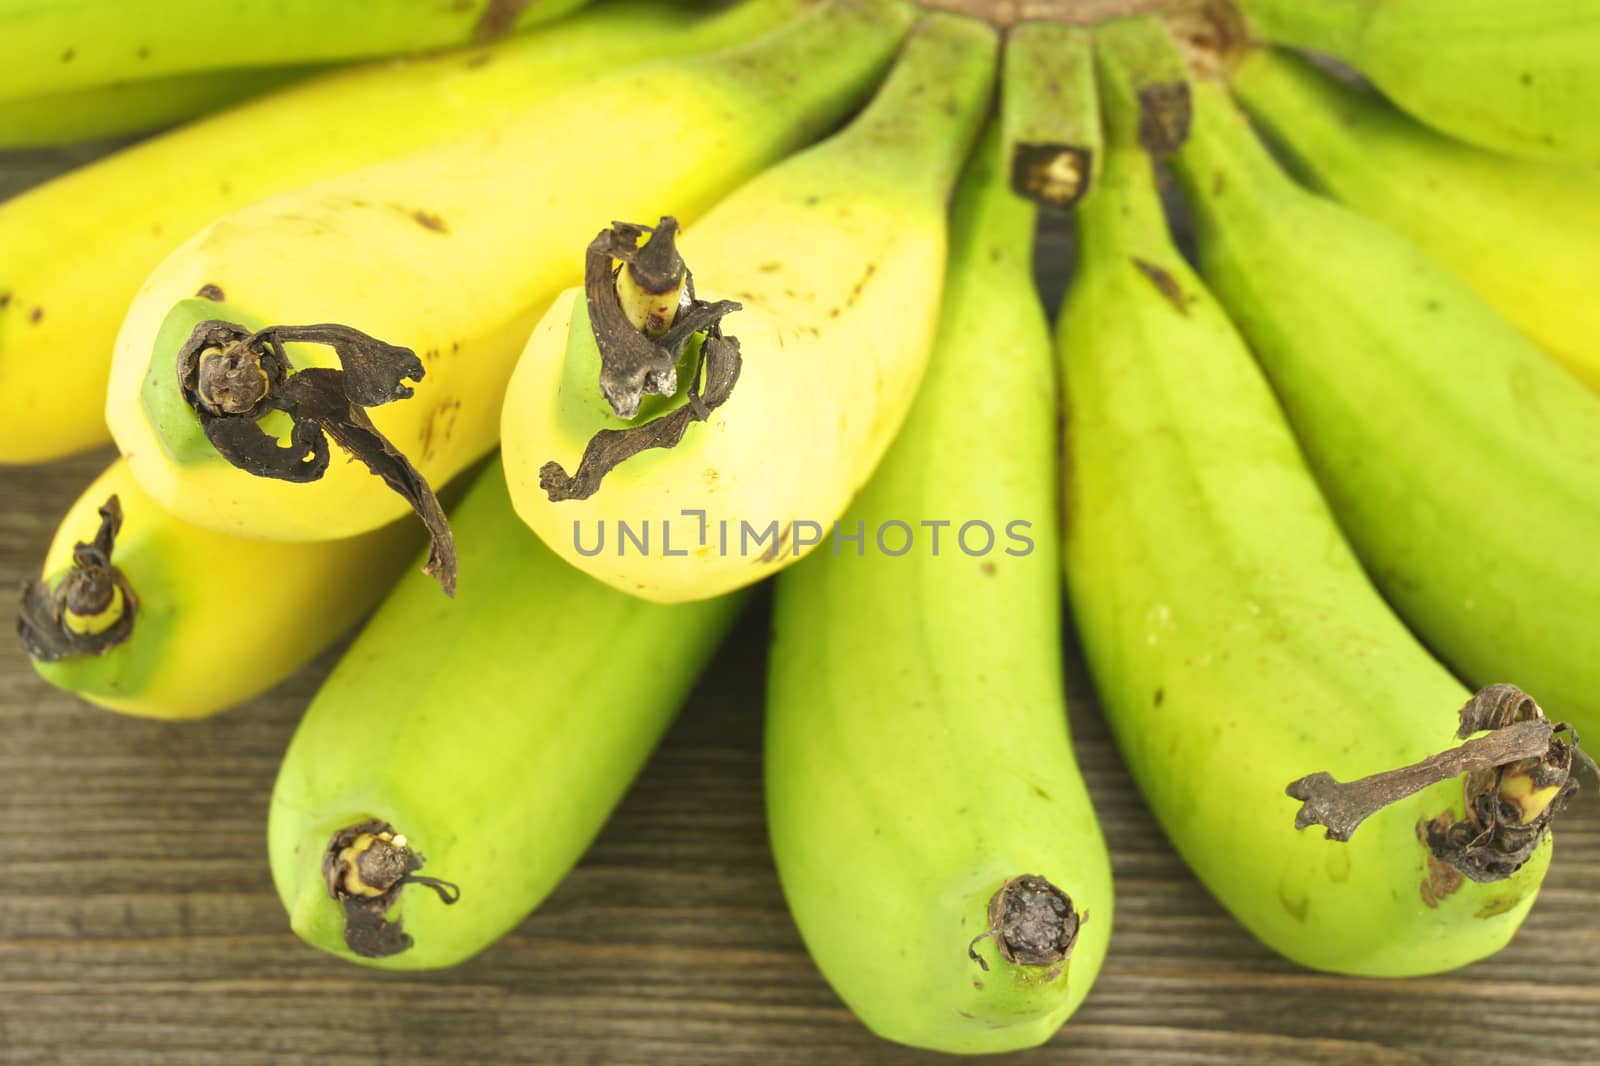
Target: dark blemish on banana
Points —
{"points": [[833, 312], [1164, 283], [211, 292], [143, 53], [1042, 794], [5, 300], [952, 107], [860, 285], [986, 568], [813, 200], [1432, 305], [66, 57], [455, 346], [1296, 908], [428, 220], [225, 188], [770, 268], [1526, 79], [36, 315], [430, 355], [778, 546], [1161, 694], [499, 16]]}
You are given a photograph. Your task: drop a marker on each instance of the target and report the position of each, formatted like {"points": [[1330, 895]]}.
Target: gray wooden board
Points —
{"points": [[138, 922]]}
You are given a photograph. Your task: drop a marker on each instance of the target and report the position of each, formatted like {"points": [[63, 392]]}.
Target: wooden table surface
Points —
{"points": [[138, 923]]}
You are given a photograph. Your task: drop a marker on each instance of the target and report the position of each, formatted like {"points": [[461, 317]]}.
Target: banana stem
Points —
{"points": [[90, 611], [1050, 111]]}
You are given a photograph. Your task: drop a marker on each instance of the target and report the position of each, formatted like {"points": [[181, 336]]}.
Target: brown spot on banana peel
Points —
{"points": [[365, 866], [212, 292], [1164, 114], [91, 610], [1165, 284], [231, 378], [1515, 779], [498, 18], [1032, 923]]}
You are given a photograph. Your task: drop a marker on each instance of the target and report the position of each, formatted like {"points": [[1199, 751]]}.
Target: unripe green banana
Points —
{"points": [[1464, 465], [494, 734], [917, 755], [1233, 639], [836, 257], [1519, 232], [455, 252], [199, 621], [121, 109], [1516, 76], [78, 248], [53, 46]]}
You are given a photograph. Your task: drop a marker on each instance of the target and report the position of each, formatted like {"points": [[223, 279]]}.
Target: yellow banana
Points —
{"points": [[52, 46], [1232, 636], [455, 252], [837, 258], [134, 107], [889, 675], [1519, 232], [78, 248], [199, 620]]}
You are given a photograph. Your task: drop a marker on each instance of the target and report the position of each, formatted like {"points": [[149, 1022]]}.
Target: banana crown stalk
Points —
{"points": [[80, 246], [1514, 230], [401, 250], [936, 845], [1479, 520], [1518, 78], [143, 613], [835, 258], [64, 45], [461, 757], [1231, 633]]}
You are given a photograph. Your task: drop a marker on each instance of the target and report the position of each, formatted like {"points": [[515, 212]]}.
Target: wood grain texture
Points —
{"points": [[138, 924]]}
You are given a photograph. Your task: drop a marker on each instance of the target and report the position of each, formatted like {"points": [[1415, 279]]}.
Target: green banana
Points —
{"points": [[78, 248], [1463, 464], [55, 46], [196, 621], [123, 109], [1051, 111], [1519, 232], [836, 258], [494, 734], [1229, 630], [917, 756], [402, 251], [1515, 77]]}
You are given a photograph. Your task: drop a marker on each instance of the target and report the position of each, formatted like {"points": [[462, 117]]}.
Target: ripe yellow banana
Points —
{"points": [[52, 46], [199, 621], [1231, 634], [837, 258], [78, 248], [918, 766], [1517, 77], [133, 107], [455, 251], [1521, 233], [1463, 464], [494, 734]]}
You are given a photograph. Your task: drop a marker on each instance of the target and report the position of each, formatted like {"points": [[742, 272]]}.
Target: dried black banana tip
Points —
{"points": [[1516, 779], [90, 611], [232, 377], [1032, 923], [642, 333], [1053, 175], [365, 866]]}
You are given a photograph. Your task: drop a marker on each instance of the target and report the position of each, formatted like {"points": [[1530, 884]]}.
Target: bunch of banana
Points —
{"points": [[836, 261], [489, 737], [146, 614], [63, 45], [1518, 77], [974, 916], [455, 252], [1512, 229], [77, 249], [1463, 464], [1231, 634]]}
